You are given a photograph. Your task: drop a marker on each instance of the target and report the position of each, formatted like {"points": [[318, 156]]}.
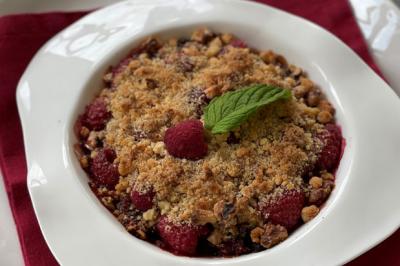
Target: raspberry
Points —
{"points": [[96, 115], [329, 157], [284, 209], [142, 201], [103, 170], [186, 140], [121, 66], [233, 248], [238, 43], [182, 239]]}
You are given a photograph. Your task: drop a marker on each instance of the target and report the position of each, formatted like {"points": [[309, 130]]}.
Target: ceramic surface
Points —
{"points": [[74, 222], [371, 16]]}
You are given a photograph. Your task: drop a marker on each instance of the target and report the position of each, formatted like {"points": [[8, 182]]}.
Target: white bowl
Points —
{"points": [[66, 73]]}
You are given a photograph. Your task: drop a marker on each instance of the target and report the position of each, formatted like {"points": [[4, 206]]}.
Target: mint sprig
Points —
{"points": [[231, 109]]}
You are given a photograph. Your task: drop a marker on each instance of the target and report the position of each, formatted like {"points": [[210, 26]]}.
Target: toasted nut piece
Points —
{"points": [[84, 132], [324, 117], [268, 57], [159, 148], [122, 185], [201, 35], [214, 48], [295, 71], [280, 60], [150, 215], [273, 234], [307, 83], [317, 196], [256, 234], [84, 161], [324, 105], [307, 213], [300, 91], [164, 206], [315, 182], [328, 176], [204, 217], [313, 98], [226, 38]]}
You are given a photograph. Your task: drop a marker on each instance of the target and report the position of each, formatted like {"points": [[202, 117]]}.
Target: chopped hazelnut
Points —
{"points": [[159, 148], [281, 60], [295, 71], [307, 213], [268, 57], [313, 98], [300, 91], [201, 35], [324, 105], [316, 182], [164, 206], [122, 185], [204, 216], [328, 176], [256, 234], [226, 38], [317, 195], [324, 117], [273, 234], [84, 161], [84, 132], [307, 83], [150, 215], [214, 48]]}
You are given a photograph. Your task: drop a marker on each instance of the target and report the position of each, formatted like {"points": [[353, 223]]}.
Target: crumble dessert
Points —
{"points": [[207, 147]]}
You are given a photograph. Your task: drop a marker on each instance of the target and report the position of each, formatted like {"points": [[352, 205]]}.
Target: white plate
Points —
{"points": [[65, 74]]}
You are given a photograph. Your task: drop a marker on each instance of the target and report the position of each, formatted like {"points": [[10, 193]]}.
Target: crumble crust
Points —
{"points": [[266, 155]]}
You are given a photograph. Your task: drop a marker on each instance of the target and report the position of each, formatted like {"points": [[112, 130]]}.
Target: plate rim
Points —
{"points": [[39, 53]]}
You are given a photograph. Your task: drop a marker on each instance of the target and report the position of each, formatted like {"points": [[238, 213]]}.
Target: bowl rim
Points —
{"points": [[37, 179]]}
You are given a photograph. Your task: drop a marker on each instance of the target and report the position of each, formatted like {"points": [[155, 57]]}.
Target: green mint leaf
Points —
{"points": [[231, 109]]}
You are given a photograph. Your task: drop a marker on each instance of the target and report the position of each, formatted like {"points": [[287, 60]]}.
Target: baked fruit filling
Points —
{"points": [[207, 147]]}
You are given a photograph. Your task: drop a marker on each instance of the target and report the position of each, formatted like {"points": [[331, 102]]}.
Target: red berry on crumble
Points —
{"points": [[330, 154], [96, 115], [186, 140], [284, 209], [103, 169], [238, 43], [233, 248], [180, 238], [142, 201]]}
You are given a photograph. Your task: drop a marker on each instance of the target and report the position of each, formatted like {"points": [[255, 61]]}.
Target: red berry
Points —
{"points": [[284, 209], [142, 201], [103, 169], [329, 156], [186, 140], [96, 115], [121, 66], [233, 248], [238, 43], [182, 239]]}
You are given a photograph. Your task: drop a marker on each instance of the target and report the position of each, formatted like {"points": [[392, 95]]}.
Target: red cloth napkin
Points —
{"points": [[22, 35]]}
